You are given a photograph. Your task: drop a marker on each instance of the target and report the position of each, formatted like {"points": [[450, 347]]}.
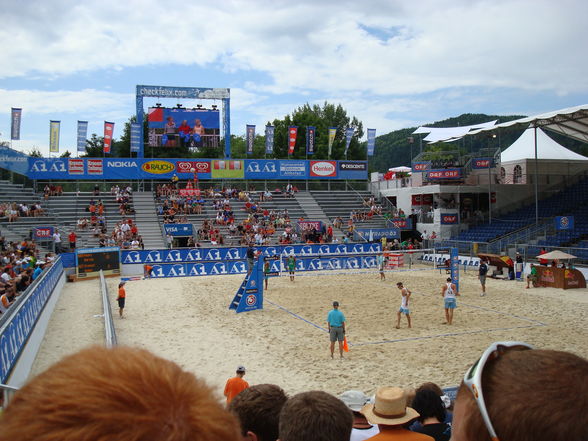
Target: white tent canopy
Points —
{"points": [[436, 134], [572, 122], [547, 148]]}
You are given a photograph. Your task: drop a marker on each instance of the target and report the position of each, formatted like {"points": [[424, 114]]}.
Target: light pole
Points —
{"points": [[411, 142], [492, 136]]}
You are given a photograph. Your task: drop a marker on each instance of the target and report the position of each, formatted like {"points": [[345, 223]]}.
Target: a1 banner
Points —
{"points": [[371, 141], [54, 136], [292, 132], [269, 139], [310, 138], [108, 132], [250, 137], [332, 134], [135, 137], [348, 135], [82, 135], [16, 116]]}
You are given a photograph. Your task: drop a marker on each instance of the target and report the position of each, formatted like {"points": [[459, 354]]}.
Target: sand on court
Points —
{"points": [[187, 320]]}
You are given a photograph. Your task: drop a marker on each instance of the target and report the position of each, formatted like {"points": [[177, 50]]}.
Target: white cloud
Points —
{"points": [[529, 44]]}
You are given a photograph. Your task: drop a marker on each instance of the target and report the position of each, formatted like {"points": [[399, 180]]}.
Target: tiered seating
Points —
{"points": [[341, 203], [71, 206], [278, 203], [565, 202]]}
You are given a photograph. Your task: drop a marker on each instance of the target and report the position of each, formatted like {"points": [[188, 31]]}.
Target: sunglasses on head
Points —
{"points": [[473, 377]]}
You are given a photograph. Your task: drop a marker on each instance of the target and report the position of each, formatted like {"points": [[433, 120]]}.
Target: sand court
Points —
{"points": [[187, 320]]}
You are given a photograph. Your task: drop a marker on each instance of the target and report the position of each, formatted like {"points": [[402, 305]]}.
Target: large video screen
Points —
{"points": [[192, 128]]}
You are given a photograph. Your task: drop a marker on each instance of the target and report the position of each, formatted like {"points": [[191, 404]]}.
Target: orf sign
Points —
{"points": [[40, 233]]}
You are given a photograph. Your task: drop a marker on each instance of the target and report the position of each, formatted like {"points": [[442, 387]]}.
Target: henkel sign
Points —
{"points": [[193, 166], [323, 169], [449, 219], [95, 167], [449, 173], [43, 233], [76, 166]]}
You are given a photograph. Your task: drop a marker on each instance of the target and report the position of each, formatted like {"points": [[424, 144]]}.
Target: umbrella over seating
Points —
{"points": [[556, 255]]}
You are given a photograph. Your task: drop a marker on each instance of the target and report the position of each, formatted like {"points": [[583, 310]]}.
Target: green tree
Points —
{"points": [[66, 154], [94, 147], [35, 153], [329, 115]]}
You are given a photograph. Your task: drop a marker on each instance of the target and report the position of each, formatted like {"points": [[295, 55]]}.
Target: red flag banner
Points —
{"points": [[292, 131], [108, 131]]}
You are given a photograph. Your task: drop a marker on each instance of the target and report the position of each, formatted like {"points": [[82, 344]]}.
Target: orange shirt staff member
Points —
{"points": [[122, 295], [235, 385]]}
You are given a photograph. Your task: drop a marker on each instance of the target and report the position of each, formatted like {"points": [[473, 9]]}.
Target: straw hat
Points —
{"points": [[389, 408]]}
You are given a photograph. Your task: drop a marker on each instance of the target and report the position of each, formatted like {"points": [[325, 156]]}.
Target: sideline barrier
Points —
{"points": [[182, 255], [308, 263], [22, 318], [109, 330]]}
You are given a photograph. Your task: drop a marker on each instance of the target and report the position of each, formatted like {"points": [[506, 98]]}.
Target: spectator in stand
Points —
{"points": [[258, 410], [522, 394], [362, 429], [117, 394], [432, 415], [72, 237], [391, 413], [184, 133], [315, 416]]}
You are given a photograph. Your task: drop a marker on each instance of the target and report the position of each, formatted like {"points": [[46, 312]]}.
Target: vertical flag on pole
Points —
{"points": [[371, 143], [332, 133], [269, 139], [292, 131], [310, 135], [15, 127], [348, 136], [250, 138], [54, 136], [135, 136], [108, 132], [82, 135]]}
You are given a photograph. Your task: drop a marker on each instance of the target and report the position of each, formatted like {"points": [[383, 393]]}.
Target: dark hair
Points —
{"points": [[258, 409], [117, 394], [431, 386], [530, 395], [315, 416], [428, 404], [399, 283], [449, 279]]}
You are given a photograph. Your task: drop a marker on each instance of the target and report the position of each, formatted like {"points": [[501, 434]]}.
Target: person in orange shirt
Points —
{"points": [[122, 295], [235, 384]]}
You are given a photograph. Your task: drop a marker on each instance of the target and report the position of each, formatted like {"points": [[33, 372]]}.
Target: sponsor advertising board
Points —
{"points": [[135, 168]]}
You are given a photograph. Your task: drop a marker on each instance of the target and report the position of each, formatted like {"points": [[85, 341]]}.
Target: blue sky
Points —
{"points": [[393, 64]]}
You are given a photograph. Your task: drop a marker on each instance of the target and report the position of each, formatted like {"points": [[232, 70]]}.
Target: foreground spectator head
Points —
{"points": [[390, 408], [528, 394], [429, 405], [315, 416], [116, 394], [258, 409]]}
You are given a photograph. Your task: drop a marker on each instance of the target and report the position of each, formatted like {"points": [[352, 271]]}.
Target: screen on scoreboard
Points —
{"points": [[91, 260], [192, 128]]}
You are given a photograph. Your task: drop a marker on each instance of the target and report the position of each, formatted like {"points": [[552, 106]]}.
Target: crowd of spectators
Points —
{"points": [[52, 190], [13, 210], [19, 266], [104, 378]]}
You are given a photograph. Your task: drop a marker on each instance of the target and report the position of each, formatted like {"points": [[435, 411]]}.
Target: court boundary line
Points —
{"points": [[535, 324]]}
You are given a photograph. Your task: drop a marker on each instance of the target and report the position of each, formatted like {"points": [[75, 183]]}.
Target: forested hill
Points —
{"points": [[393, 149]]}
